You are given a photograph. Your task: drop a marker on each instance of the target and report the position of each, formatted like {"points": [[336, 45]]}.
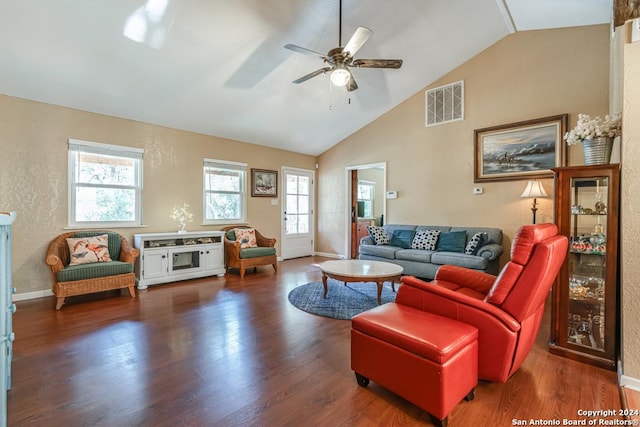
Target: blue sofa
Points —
{"points": [[424, 263]]}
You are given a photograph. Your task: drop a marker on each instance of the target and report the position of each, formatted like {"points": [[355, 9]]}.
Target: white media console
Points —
{"points": [[169, 257]]}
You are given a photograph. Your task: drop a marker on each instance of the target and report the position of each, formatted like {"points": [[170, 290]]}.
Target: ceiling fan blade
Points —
{"points": [[358, 38], [311, 75], [305, 51], [352, 85], [377, 63]]}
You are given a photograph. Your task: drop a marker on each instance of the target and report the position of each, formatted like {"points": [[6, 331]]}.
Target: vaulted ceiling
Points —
{"points": [[220, 68]]}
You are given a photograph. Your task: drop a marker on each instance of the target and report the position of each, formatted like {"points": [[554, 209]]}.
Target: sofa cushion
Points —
{"points": [[94, 270], [425, 239], [378, 234], [417, 255], [402, 238], [453, 241], [385, 251], [256, 252], [475, 243], [87, 250], [459, 259]]}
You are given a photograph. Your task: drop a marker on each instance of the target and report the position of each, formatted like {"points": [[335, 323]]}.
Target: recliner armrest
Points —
{"points": [[454, 305], [466, 278]]}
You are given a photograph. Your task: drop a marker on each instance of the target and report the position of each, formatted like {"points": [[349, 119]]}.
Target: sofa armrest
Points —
{"points": [[491, 251], [367, 240], [454, 305], [55, 256], [264, 241], [466, 278], [127, 252], [232, 248]]}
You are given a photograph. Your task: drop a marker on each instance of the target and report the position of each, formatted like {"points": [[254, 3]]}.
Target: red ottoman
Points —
{"points": [[429, 360]]}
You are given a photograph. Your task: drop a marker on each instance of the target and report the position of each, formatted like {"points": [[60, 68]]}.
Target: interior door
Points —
{"points": [[297, 213]]}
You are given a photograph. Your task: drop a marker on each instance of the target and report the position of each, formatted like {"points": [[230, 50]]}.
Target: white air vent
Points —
{"points": [[444, 104]]}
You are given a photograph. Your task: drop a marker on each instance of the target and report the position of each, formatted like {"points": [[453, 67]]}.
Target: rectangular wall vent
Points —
{"points": [[444, 104]]}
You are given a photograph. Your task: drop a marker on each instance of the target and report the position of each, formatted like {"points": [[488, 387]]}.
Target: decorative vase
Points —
{"points": [[597, 151], [183, 228]]}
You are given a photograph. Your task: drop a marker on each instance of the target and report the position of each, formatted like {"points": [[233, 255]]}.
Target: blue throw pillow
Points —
{"points": [[402, 238], [453, 241]]}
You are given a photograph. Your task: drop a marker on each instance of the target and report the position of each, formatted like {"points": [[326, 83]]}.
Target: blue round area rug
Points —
{"points": [[343, 302]]}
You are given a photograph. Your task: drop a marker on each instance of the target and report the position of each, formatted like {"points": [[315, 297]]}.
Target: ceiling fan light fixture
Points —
{"points": [[340, 76]]}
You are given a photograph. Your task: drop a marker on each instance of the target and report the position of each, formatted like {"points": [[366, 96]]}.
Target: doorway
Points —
{"points": [[297, 213], [366, 190]]}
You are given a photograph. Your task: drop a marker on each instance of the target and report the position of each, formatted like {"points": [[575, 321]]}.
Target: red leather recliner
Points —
{"points": [[507, 310]]}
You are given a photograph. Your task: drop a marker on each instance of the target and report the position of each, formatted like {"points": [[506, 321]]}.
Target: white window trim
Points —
{"points": [[243, 199], [76, 145]]}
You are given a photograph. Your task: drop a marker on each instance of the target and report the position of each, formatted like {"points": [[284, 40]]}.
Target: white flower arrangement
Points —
{"points": [[182, 215], [588, 128]]}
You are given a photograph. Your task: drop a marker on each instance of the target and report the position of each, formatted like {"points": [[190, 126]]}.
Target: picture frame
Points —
{"points": [[264, 183], [521, 150]]}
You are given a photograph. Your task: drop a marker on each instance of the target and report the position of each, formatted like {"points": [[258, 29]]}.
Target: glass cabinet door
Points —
{"points": [[587, 262], [585, 314]]}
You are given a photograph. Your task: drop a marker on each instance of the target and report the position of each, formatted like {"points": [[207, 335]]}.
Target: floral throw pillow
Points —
{"points": [[246, 237], [378, 234], [86, 250], [425, 239], [475, 243]]}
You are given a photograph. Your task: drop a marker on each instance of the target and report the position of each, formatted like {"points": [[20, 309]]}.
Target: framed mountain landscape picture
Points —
{"points": [[522, 150]]}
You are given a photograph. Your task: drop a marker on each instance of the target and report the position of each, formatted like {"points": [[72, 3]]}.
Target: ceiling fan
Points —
{"points": [[339, 59]]}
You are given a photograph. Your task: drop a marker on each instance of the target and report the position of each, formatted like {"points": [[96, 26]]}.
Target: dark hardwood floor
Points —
{"points": [[231, 352]]}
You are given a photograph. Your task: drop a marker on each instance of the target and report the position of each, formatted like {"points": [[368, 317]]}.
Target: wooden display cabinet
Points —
{"points": [[585, 305]]}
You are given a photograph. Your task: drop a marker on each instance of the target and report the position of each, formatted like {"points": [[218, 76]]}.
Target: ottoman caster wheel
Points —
{"points": [[472, 394], [438, 422], [362, 380]]}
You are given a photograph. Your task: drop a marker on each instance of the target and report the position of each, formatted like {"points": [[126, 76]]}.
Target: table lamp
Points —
{"points": [[534, 189]]}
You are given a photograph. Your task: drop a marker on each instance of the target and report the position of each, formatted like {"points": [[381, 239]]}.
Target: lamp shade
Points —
{"points": [[534, 189]]}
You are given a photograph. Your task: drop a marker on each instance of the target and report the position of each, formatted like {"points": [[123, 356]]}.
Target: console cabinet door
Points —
{"points": [[213, 258], [154, 264]]}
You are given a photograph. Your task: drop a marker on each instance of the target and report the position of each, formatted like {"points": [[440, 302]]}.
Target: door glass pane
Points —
{"points": [[303, 185], [587, 267]]}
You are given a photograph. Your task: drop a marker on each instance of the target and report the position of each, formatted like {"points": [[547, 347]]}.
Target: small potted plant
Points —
{"points": [[596, 135], [182, 215]]}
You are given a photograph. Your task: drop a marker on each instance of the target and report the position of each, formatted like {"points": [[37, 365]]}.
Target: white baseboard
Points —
{"points": [[32, 295], [630, 382], [328, 255]]}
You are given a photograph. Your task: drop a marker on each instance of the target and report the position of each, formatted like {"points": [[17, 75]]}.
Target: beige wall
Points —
{"points": [[33, 175], [525, 76], [630, 214]]}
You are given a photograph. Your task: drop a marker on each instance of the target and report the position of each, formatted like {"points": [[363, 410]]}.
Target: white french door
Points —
{"points": [[297, 213]]}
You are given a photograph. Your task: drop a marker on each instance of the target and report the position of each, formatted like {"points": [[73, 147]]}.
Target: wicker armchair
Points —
{"points": [[243, 258], [90, 278]]}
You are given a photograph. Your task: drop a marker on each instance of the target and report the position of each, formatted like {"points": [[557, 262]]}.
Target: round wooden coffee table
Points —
{"points": [[357, 270]]}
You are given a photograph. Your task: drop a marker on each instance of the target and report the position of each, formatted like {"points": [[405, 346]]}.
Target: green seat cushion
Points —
{"points": [[93, 270], [256, 252], [114, 241]]}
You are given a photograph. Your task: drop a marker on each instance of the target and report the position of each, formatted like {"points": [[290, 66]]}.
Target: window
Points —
{"points": [[365, 198], [105, 185], [225, 192]]}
